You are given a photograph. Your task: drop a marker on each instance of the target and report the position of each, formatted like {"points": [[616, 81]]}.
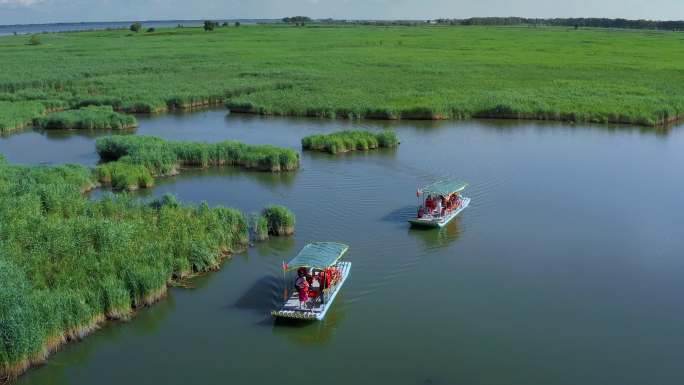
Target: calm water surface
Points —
{"points": [[566, 268]]}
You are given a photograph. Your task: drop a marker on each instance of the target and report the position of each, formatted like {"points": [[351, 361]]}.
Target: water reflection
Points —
{"points": [[58, 370], [276, 246], [195, 178], [388, 153], [312, 333], [437, 238]]}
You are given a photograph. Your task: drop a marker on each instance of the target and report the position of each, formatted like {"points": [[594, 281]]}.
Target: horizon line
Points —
{"points": [[330, 18]]}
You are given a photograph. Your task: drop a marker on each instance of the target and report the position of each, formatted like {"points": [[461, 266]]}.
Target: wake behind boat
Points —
{"points": [[442, 202], [320, 276]]}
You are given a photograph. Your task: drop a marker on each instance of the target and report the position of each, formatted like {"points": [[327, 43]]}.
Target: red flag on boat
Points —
{"points": [[418, 192], [284, 266]]}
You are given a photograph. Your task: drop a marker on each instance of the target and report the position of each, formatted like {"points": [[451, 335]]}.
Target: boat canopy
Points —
{"points": [[444, 187], [318, 255]]}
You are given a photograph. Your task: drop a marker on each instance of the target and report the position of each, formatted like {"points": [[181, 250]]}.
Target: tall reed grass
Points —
{"points": [[353, 140], [163, 158], [584, 76], [18, 114], [91, 117], [68, 262], [279, 219]]}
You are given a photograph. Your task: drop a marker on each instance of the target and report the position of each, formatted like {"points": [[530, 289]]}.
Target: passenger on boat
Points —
{"points": [[302, 289], [421, 211], [430, 204], [438, 208]]}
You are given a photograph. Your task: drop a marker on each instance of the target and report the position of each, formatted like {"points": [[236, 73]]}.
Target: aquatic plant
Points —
{"points": [[258, 226], [91, 117], [67, 262], [280, 220], [15, 115], [353, 140], [124, 175], [163, 158]]}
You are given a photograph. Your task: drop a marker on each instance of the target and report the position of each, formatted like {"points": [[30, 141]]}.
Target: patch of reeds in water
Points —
{"points": [[279, 220], [352, 140], [91, 117], [164, 158], [124, 175], [258, 227]]}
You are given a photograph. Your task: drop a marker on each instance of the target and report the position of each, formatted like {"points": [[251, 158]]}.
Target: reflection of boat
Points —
{"points": [[442, 203], [326, 275], [432, 238], [310, 333]]}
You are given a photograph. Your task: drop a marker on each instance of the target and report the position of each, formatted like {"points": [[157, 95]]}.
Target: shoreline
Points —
{"points": [[522, 117], [562, 118], [14, 370]]}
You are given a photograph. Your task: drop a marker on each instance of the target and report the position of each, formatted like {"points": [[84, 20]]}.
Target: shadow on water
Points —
{"points": [[400, 215], [262, 296]]}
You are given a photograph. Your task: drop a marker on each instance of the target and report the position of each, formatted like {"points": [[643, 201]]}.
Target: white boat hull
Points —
{"points": [[430, 221]]}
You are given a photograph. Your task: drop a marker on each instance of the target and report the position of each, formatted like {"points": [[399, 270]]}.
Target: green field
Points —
{"points": [[428, 72]]}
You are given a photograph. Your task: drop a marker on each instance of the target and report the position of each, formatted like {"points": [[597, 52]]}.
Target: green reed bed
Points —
{"points": [[68, 263], [258, 227], [124, 175], [352, 140], [394, 72], [279, 220], [18, 114], [91, 117], [163, 158]]}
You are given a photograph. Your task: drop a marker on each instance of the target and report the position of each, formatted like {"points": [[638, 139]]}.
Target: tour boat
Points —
{"points": [[320, 262], [440, 202]]}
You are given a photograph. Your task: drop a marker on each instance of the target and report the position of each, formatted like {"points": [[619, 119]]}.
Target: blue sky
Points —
{"points": [[42, 11]]}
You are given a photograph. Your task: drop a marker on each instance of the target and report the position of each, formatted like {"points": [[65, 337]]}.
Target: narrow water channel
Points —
{"points": [[565, 269]]}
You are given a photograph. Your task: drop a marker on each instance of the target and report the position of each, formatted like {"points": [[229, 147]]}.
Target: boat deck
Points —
{"points": [[315, 310], [432, 221]]}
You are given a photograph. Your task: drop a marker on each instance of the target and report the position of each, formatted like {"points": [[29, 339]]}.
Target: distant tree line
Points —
{"points": [[406, 23], [569, 22], [297, 19]]}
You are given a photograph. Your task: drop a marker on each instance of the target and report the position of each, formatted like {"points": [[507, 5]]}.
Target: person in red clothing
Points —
{"points": [[302, 289]]}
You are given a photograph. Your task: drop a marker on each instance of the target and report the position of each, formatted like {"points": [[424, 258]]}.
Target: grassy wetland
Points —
{"points": [[428, 72], [69, 263]]}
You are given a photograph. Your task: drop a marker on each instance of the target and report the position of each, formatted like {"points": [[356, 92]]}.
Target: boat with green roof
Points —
{"points": [[320, 276], [439, 203]]}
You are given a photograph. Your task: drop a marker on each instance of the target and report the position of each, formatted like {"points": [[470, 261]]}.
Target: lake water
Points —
{"points": [[566, 268], [23, 29]]}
